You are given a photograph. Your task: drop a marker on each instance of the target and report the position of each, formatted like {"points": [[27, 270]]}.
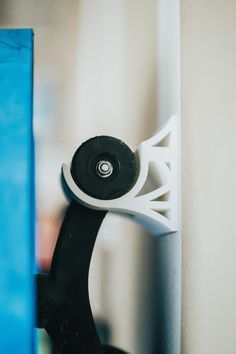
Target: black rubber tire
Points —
{"points": [[84, 162]]}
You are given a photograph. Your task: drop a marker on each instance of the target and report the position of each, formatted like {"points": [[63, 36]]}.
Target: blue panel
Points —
{"points": [[16, 192]]}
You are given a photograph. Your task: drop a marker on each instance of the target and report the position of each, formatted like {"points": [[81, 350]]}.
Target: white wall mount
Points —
{"points": [[153, 200]]}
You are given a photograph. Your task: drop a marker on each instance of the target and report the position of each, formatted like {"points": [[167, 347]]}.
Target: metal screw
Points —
{"points": [[104, 168]]}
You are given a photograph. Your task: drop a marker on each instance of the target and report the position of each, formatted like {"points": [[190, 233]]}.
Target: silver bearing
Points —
{"points": [[104, 168]]}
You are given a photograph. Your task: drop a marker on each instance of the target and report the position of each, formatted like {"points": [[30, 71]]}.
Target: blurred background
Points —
{"points": [[112, 67], [95, 73]]}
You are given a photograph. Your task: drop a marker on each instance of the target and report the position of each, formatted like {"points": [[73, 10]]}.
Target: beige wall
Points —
{"points": [[209, 175]]}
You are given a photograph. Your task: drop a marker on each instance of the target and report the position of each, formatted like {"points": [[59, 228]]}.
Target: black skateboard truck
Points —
{"points": [[104, 175]]}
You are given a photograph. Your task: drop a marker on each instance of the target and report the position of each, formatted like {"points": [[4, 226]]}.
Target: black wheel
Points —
{"points": [[104, 167]]}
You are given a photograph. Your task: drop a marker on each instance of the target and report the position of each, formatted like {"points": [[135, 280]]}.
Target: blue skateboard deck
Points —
{"points": [[16, 193]]}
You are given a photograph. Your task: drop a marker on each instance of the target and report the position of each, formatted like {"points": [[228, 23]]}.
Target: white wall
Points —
{"points": [[209, 175]]}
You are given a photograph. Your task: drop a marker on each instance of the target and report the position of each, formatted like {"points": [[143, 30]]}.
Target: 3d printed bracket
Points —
{"points": [[153, 200]]}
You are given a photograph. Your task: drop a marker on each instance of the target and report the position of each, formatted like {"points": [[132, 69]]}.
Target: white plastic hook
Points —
{"points": [[153, 200]]}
